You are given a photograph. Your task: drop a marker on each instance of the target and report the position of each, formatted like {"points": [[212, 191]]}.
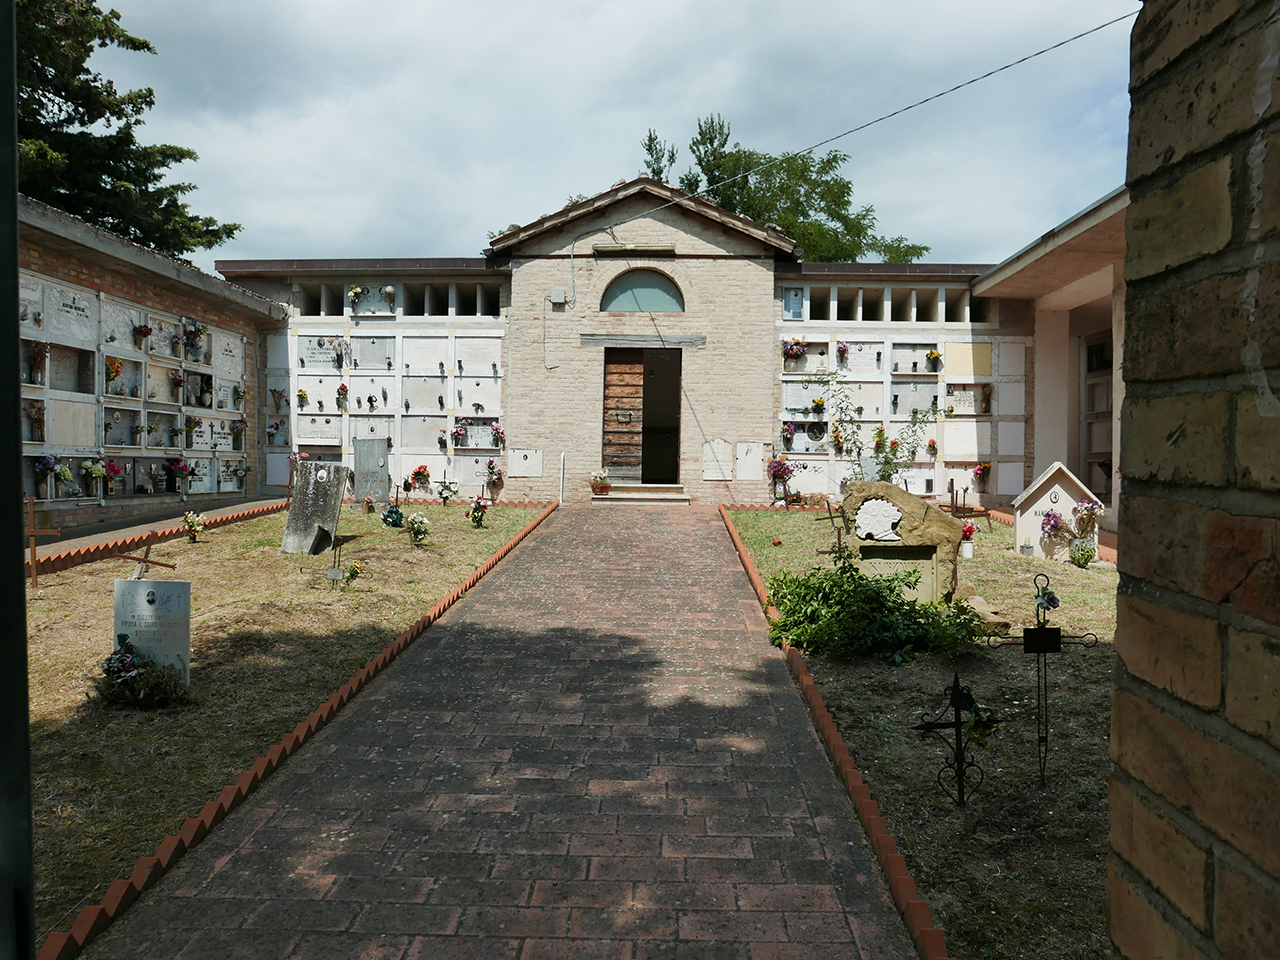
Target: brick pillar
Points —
{"points": [[1195, 791]]}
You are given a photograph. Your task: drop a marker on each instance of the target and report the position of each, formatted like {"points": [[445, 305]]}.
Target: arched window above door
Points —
{"points": [[642, 291]]}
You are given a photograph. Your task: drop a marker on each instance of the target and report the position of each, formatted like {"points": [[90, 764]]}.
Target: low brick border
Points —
{"points": [[92, 920], [915, 912], [55, 562]]}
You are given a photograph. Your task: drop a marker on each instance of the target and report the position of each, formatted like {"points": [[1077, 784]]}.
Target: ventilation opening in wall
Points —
{"points": [[466, 300], [309, 299], [819, 303], [437, 297], [873, 303], [901, 305], [490, 300], [846, 303], [415, 299], [957, 303], [926, 306], [333, 299]]}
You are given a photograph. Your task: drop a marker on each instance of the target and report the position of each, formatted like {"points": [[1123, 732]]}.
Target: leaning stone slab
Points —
{"points": [[894, 531], [318, 490]]}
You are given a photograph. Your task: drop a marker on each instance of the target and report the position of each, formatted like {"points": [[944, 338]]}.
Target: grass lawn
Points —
{"points": [[270, 641], [1019, 872]]}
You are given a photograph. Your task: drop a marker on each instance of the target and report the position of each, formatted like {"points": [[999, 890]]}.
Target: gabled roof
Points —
{"points": [[663, 194], [1059, 474]]}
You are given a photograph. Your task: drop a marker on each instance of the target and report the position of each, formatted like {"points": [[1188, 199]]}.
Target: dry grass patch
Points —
{"points": [[1020, 871], [270, 641]]}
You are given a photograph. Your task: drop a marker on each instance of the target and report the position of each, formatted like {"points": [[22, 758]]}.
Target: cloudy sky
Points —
{"points": [[397, 128]]}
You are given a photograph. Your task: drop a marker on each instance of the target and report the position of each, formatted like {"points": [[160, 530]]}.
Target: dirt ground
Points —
{"points": [[1018, 872], [270, 641]]}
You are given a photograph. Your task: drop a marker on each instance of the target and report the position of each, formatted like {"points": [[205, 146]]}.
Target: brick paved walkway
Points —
{"points": [[594, 754]]}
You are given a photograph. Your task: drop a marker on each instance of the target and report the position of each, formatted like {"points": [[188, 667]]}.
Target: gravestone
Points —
{"points": [[1056, 489], [318, 490], [894, 532], [372, 473], [156, 614]]}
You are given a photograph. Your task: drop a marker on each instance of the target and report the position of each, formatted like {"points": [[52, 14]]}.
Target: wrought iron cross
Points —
{"points": [[959, 702]]}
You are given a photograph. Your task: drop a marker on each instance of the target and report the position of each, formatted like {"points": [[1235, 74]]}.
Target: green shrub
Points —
{"points": [[841, 613], [129, 679]]}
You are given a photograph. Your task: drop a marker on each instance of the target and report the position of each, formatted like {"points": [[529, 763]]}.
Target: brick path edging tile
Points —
{"points": [[915, 912], [121, 894]]}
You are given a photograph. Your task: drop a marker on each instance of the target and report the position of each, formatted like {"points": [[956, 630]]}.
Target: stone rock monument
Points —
{"points": [[318, 490], [894, 531]]}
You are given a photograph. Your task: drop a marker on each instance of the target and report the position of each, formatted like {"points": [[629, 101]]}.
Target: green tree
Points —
{"points": [[78, 149], [804, 195], [659, 156]]}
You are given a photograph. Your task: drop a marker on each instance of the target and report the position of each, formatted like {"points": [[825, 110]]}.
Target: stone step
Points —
{"points": [[643, 493]]}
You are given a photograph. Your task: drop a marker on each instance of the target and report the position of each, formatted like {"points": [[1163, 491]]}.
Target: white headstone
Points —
{"points": [[156, 614], [717, 460]]}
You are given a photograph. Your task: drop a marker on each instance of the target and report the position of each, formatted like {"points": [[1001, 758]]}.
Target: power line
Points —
{"points": [[887, 116]]}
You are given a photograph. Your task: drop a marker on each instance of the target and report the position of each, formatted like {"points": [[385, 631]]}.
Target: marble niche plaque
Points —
{"points": [[156, 614], [317, 353]]}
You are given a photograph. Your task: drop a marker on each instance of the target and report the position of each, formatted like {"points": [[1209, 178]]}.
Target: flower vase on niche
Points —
{"points": [[42, 490], [206, 399], [136, 433]]}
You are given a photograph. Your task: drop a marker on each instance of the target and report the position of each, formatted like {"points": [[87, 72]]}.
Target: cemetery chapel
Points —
{"points": [[641, 330]]}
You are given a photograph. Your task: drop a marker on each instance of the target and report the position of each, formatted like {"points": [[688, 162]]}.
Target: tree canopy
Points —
{"points": [[78, 148], [804, 195]]}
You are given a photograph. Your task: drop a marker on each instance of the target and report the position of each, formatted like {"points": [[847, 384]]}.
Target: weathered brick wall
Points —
{"points": [[60, 266], [1195, 792], [555, 391]]}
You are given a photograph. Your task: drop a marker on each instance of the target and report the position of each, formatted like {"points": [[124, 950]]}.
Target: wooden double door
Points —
{"points": [[641, 442]]}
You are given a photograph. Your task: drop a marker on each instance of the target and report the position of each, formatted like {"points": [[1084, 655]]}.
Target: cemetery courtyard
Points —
{"points": [[1017, 873]]}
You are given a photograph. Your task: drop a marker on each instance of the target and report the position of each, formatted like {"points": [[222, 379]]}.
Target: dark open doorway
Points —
{"points": [[642, 415]]}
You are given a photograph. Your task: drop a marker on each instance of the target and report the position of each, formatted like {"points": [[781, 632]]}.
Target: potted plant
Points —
{"points": [[475, 513], [497, 434], [421, 478], [448, 489], [369, 503], [278, 396], [193, 337], [39, 353], [302, 399], [980, 474], [788, 434], [842, 352], [600, 483], [418, 528], [113, 472], [176, 381], [45, 467], [1081, 535], [62, 475], [781, 470], [194, 522], [933, 358], [933, 447], [837, 438], [493, 479], [237, 395], [140, 333], [460, 432], [274, 427], [354, 293], [238, 427], [966, 540], [135, 433], [793, 351], [819, 405], [114, 365], [190, 426], [174, 434], [342, 396], [35, 415], [175, 344]]}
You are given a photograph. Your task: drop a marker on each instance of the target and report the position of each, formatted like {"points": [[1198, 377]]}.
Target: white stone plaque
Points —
{"points": [[717, 460], [478, 356], [373, 394], [750, 461], [373, 353], [30, 300], [204, 478], [316, 353], [426, 354], [156, 614], [961, 401], [71, 313], [421, 433], [370, 427], [426, 395], [863, 357], [220, 433], [118, 321], [480, 396], [319, 427], [524, 463], [228, 355]]}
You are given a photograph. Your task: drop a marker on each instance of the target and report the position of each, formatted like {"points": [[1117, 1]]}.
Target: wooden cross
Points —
{"points": [[145, 560], [32, 533], [838, 528]]}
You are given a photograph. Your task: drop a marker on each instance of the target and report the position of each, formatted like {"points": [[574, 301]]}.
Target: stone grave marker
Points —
{"points": [[156, 614], [316, 506], [372, 473], [895, 532]]}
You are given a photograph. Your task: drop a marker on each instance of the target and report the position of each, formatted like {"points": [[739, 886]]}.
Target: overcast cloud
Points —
{"points": [[399, 128]]}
